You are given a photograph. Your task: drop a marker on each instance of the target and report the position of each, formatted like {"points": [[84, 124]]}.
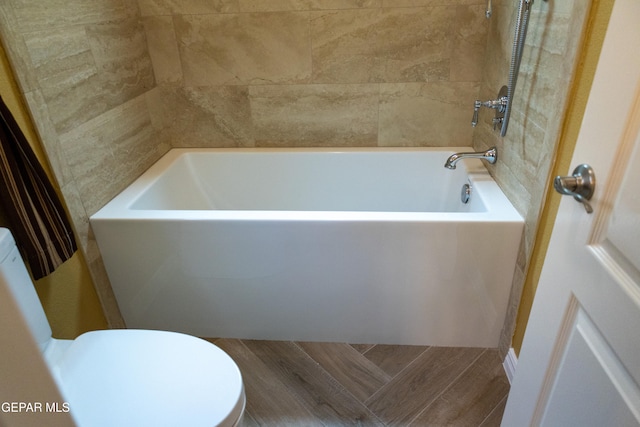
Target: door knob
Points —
{"points": [[580, 185]]}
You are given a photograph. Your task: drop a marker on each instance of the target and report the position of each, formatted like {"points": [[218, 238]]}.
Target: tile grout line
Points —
{"points": [[338, 383], [408, 364], [394, 376], [369, 349], [293, 393], [444, 390], [495, 408]]}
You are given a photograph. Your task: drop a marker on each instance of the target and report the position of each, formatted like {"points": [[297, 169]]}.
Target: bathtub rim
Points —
{"points": [[499, 208]]}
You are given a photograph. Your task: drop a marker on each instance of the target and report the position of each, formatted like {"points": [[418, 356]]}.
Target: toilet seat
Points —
{"points": [[154, 378]]}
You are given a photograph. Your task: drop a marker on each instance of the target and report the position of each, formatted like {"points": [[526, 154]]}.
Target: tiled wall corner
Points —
{"points": [[218, 114], [84, 69], [104, 157], [163, 49]]}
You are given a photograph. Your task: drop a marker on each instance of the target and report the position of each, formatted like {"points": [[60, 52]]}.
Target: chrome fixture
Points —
{"points": [[491, 155], [503, 103], [465, 193], [524, 9], [498, 104], [580, 185]]}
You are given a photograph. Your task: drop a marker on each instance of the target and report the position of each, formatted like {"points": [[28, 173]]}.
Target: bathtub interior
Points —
{"points": [[268, 180]]}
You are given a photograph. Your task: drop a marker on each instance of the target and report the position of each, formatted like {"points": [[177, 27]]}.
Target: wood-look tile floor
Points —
{"points": [[332, 384]]}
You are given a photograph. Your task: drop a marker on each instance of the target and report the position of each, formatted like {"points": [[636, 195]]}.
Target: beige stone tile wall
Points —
{"points": [[284, 73], [85, 72], [526, 153]]}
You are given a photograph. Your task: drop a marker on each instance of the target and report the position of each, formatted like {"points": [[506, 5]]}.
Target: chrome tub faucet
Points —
{"points": [[491, 155]]}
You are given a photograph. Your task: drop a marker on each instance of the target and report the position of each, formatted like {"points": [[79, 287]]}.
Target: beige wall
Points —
{"points": [[67, 295]]}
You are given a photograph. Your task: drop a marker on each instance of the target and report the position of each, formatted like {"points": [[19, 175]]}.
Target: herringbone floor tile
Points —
{"points": [[333, 384]]}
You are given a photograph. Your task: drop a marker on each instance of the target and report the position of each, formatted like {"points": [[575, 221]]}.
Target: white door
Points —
{"points": [[580, 360]]}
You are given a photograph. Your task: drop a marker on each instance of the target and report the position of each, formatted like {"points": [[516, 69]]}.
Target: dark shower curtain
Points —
{"points": [[34, 213]]}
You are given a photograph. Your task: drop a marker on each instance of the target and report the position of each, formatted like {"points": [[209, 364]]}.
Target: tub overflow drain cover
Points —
{"points": [[465, 193]]}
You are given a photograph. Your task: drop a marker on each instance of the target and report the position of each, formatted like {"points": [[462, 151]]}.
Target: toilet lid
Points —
{"points": [[154, 378]]}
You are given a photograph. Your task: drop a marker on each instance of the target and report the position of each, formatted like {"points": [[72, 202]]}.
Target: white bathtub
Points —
{"points": [[356, 245]]}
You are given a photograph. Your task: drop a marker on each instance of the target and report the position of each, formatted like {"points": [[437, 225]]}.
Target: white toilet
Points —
{"points": [[129, 377]]}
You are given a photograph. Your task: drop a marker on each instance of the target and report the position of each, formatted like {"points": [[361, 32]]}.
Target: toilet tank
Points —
{"points": [[14, 276]]}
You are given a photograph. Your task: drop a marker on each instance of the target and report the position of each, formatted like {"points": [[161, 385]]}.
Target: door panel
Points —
{"points": [[591, 385], [580, 359]]}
